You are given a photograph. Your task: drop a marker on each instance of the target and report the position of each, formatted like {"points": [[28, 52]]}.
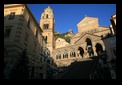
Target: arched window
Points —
{"points": [[80, 51], [46, 26], [72, 54], [99, 48], [65, 55], [46, 15], [58, 56], [89, 47]]}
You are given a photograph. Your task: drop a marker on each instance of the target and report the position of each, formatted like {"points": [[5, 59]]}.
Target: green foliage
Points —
{"points": [[21, 68], [63, 36]]}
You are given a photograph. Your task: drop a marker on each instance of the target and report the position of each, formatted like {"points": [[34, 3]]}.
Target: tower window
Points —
{"points": [[28, 23], [37, 34], [7, 31], [46, 26], [45, 37], [46, 15], [12, 15]]}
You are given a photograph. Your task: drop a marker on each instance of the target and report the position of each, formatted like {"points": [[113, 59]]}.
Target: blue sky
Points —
{"points": [[67, 16]]}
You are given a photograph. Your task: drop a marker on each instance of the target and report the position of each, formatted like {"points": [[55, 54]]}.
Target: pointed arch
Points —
{"points": [[65, 55], [89, 47], [99, 48], [58, 55], [80, 51], [72, 53], [88, 41], [46, 15]]}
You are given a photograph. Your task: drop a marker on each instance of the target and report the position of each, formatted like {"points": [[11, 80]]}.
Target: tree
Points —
{"points": [[21, 69]]}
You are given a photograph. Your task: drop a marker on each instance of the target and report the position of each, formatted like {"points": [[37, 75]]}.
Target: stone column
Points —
{"points": [[94, 48], [85, 55]]}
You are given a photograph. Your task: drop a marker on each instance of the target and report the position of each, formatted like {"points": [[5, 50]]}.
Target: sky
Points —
{"points": [[67, 16]]}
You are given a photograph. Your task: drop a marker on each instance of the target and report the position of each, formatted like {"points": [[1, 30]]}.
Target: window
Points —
{"points": [[47, 16], [12, 15], [28, 23], [46, 26], [37, 34], [45, 37], [58, 56], [7, 32]]}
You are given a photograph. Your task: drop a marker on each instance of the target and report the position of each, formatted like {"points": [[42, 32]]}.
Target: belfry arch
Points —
{"points": [[89, 47], [80, 52]]}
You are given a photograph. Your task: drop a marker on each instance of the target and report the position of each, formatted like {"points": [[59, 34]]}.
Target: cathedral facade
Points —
{"points": [[85, 43], [22, 31]]}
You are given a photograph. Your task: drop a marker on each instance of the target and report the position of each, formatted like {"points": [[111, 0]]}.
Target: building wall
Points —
{"points": [[87, 23], [110, 44], [23, 36], [60, 61], [113, 22], [61, 43], [110, 41], [91, 30]]}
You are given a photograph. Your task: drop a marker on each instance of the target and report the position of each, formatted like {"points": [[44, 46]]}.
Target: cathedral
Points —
{"points": [[85, 43], [44, 50]]}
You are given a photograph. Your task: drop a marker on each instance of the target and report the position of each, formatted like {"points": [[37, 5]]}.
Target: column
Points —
{"points": [[94, 48]]}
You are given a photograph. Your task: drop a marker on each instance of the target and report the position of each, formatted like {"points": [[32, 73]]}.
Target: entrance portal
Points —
{"points": [[80, 51], [99, 48], [89, 47]]}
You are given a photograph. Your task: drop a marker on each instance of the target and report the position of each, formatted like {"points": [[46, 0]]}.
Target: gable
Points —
{"points": [[92, 37], [87, 23], [86, 20]]}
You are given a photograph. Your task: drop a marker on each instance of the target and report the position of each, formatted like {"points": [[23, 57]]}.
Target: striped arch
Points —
{"points": [[72, 53], [84, 40], [65, 55], [99, 47]]}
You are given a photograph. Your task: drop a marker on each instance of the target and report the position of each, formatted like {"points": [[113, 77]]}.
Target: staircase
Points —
{"points": [[80, 69]]}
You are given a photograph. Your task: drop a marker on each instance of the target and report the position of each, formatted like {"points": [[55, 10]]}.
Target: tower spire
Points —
{"points": [[48, 6]]}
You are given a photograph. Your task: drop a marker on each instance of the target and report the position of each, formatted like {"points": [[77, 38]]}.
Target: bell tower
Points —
{"points": [[47, 23]]}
